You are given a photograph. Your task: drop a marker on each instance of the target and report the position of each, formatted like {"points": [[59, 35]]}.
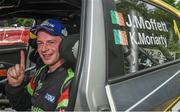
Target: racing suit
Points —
{"points": [[45, 91]]}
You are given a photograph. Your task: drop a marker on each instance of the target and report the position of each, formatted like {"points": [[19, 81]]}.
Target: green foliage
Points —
{"points": [[178, 5], [24, 22], [173, 3]]}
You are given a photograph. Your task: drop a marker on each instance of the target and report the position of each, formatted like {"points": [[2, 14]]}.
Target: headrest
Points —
{"points": [[69, 48]]}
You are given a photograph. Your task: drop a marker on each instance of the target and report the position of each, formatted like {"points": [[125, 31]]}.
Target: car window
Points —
{"points": [[144, 36]]}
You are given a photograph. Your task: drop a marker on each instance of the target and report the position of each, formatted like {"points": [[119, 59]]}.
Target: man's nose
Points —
{"points": [[44, 47]]}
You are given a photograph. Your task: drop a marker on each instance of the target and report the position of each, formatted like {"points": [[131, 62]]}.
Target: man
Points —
{"points": [[49, 87]]}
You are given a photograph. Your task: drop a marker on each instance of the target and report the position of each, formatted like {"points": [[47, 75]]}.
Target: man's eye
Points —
{"points": [[51, 42], [39, 43]]}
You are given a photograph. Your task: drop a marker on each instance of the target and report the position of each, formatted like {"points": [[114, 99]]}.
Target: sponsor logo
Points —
{"points": [[50, 97], [46, 23], [36, 109]]}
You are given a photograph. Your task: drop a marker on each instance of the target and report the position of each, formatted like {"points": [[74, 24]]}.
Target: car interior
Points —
{"points": [[31, 13], [20, 16]]}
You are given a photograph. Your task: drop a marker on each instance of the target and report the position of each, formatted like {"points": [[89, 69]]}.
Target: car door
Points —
{"points": [[143, 55]]}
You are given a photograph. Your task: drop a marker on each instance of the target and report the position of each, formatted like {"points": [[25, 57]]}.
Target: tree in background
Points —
{"points": [[24, 22], [178, 5], [174, 3]]}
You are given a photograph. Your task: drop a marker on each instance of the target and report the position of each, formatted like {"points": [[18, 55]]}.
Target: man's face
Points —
{"points": [[48, 47]]}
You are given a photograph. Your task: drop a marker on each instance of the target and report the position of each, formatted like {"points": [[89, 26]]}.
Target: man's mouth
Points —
{"points": [[46, 56]]}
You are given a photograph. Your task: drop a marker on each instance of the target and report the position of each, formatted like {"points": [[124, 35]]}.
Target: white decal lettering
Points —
{"points": [[148, 39], [130, 22], [139, 23], [150, 24], [132, 37]]}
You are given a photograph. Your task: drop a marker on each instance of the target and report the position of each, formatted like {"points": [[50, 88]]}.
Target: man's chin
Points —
{"points": [[47, 62]]}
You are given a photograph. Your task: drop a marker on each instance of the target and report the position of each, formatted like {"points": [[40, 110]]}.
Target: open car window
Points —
{"points": [[146, 34]]}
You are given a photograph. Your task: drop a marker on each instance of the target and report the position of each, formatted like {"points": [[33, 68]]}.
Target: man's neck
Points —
{"points": [[53, 67]]}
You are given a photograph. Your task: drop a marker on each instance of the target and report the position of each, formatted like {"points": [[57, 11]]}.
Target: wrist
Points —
{"points": [[13, 89], [15, 84]]}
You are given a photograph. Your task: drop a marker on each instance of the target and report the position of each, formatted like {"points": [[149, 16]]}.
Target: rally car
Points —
{"points": [[125, 52]]}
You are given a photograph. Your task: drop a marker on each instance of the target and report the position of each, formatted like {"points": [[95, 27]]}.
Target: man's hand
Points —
{"points": [[15, 74]]}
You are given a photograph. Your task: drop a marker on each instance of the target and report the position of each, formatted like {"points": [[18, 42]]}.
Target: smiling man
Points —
{"points": [[49, 87]]}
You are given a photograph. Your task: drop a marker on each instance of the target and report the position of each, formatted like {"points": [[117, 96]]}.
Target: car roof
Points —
{"points": [[39, 8]]}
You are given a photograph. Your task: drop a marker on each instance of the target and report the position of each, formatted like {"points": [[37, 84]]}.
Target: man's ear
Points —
{"points": [[69, 48]]}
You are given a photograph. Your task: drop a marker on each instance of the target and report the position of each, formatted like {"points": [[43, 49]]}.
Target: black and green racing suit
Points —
{"points": [[45, 91]]}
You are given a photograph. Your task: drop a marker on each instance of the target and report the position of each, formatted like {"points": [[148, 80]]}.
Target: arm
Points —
{"points": [[18, 97], [63, 101], [15, 88]]}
